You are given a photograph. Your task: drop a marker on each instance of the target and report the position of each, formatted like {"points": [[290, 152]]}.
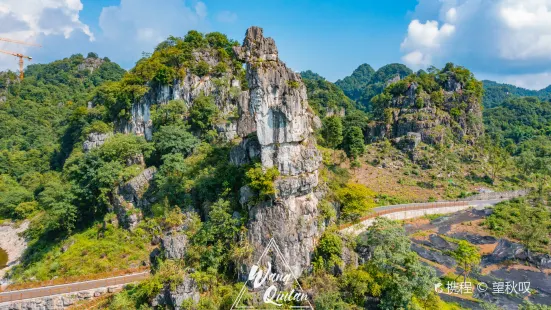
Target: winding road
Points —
{"points": [[415, 210]]}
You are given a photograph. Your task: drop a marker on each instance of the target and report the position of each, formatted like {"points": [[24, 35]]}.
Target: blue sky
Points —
{"points": [[328, 37], [504, 40]]}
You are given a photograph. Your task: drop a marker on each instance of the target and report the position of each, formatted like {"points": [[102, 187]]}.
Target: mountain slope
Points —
{"points": [[364, 83], [496, 93]]}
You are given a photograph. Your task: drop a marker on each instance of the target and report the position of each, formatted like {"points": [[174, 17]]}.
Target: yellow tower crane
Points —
{"points": [[19, 55]]}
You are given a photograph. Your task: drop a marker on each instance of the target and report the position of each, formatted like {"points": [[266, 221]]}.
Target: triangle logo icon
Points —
{"points": [[271, 290]]}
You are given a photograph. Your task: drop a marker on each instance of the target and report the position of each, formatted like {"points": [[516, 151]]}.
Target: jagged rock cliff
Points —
{"points": [[277, 124]]}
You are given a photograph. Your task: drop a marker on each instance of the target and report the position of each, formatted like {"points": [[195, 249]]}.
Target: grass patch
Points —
{"points": [[94, 250], [432, 217]]}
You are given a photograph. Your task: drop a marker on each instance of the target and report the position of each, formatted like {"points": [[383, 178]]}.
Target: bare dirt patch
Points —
{"points": [[389, 181], [473, 227]]}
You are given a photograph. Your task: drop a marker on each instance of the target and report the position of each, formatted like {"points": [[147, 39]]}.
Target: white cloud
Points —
{"points": [[507, 38], [226, 17], [125, 30], [35, 20], [424, 40], [417, 58], [136, 26], [201, 9]]}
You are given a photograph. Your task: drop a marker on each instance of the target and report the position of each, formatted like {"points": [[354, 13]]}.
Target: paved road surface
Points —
{"points": [[71, 287]]}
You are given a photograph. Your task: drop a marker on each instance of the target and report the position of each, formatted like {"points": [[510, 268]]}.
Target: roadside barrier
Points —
{"points": [[406, 207], [65, 288]]}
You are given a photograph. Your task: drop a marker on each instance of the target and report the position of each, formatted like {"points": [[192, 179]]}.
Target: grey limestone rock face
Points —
{"points": [[129, 199], [276, 111], [95, 140], [90, 64], [245, 152], [174, 245], [173, 299]]}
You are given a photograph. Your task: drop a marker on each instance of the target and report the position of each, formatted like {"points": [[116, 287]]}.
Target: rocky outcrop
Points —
{"points": [[276, 120], [130, 198], [224, 88], [447, 115], [434, 256], [174, 245], [185, 292], [13, 242], [511, 251], [95, 140], [91, 64]]}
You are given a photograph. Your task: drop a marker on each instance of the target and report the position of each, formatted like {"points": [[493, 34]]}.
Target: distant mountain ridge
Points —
{"points": [[365, 83], [496, 93]]}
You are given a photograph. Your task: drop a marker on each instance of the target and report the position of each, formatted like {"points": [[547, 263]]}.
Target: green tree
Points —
{"points": [[262, 181], [328, 252], [467, 257], [170, 180], [330, 301], [168, 114], [174, 139], [394, 266], [332, 131], [203, 112], [13, 195], [354, 142], [355, 200]]}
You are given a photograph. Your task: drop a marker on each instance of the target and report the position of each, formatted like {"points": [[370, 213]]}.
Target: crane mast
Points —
{"points": [[19, 55]]}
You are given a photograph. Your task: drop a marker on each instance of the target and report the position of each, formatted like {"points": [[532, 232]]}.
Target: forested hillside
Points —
{"points": [[365, 83], [522, 126], [40, 120], [496, 93]]}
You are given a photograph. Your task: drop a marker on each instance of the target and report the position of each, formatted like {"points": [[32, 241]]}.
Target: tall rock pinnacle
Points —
{"points": [[277, 111]]}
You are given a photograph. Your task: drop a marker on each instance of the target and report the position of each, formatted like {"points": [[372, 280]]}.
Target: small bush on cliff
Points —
{"points": [[262, 181], [98, 127], [201, 69]]}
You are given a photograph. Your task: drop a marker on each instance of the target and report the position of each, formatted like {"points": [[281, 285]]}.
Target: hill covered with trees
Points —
{"points": [[365, 83], [38, 118], [496, 93]]}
